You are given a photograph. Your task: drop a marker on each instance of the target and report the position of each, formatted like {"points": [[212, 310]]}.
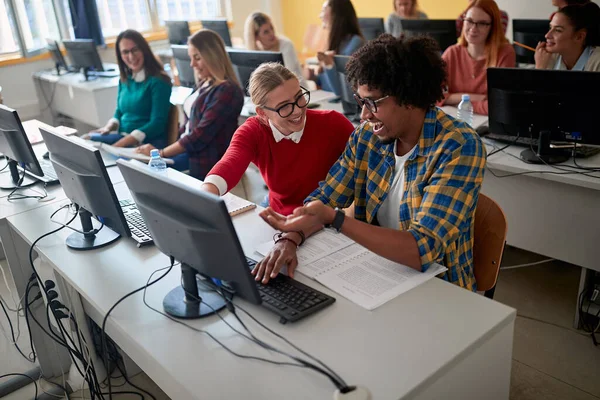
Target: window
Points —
{"points": [[37, 21], [118, 15], [8, 41], [190, 10]]}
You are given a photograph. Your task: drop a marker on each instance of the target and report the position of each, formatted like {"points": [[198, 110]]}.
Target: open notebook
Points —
{"points": [[125, 152], [236, 205], [353, 271]]}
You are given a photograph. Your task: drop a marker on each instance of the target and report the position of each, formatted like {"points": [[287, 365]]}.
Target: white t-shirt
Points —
{"points": [[388, 214]]}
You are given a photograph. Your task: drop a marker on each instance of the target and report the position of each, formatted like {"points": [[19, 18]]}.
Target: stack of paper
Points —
{"points": [[354, 272]]}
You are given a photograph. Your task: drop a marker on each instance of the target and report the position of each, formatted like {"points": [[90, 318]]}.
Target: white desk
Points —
{"points": [[435, 341], [91, 102]]}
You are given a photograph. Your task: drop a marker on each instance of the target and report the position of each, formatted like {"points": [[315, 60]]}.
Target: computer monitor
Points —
{"points": [[17, 149], [544, 105], [84, 179], [193, 227], [246, 61], [57, 56], [182, 62], [528, 32], [349, 105], [220, 27], [371, 28], [178, 31], [84, 55], [442, 30]]}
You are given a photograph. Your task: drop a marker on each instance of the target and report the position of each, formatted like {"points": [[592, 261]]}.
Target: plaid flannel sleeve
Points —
{"points": [[450, 197]]}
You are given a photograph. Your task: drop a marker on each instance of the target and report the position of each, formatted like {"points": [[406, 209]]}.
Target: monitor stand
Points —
{"points": [[92, 239], [15, 179], [87, 76], [186, 301], [545, 154]]}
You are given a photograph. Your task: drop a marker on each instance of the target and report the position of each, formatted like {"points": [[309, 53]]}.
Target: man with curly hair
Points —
{"points": [[410, 173]]}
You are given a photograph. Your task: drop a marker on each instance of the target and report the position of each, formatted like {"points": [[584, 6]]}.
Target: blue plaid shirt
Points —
{"points": [[443, 177]]}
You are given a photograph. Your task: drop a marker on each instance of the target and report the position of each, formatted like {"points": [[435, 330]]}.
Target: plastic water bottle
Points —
{"points": [[156, 163], [465, 110]]}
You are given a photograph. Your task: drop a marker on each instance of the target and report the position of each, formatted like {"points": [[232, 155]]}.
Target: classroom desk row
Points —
{"points": [[428, 343]]}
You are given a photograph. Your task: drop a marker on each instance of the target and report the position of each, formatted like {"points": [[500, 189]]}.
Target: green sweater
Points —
{"points": [[144, 106]]}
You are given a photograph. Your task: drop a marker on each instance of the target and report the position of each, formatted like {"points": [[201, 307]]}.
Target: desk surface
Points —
{"points": [[394, 351], [77, 80]]}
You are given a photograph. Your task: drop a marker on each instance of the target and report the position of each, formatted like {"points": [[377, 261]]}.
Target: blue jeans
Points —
{"points": [[182, 162], [112, 138]]}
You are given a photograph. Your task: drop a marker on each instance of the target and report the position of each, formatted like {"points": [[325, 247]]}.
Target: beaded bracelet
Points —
{"points": [[278, 237]]}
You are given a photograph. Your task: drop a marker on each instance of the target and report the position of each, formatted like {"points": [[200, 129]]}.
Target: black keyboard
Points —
{"points": [[580, 151], [137, 226], [290, 299]]}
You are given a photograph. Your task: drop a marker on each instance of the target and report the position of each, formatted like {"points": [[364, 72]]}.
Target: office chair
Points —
{"points": [[488, 246], [173, 125]]}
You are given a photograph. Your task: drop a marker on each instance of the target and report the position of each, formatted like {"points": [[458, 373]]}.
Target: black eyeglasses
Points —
{"points": [[477, 24], [287, 109], [369, 103]]}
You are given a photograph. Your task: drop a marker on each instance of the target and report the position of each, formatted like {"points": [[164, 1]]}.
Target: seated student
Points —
{"points": [[563, 3], [573, 40], [259, 34], [481, 45], [212, 110], [293, 147], [461, 20], [142, 113], [403, 9], [339, 18], [413, 172]]}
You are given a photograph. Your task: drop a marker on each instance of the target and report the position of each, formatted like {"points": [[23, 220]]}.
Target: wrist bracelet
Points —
{"points": [[285, 239]]}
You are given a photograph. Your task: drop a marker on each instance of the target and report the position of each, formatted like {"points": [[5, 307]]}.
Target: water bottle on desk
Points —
{"points": [[156, 163], [465, 110]]}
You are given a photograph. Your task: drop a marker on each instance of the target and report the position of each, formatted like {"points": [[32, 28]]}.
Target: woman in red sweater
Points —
{"points": [[292, 147], [481, 45]]}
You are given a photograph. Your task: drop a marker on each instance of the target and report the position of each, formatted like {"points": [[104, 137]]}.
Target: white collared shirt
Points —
{"points": [[294, 136], [139, 76]]}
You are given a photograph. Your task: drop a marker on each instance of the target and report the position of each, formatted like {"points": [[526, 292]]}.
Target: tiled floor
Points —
{"points": [[551, 360]]}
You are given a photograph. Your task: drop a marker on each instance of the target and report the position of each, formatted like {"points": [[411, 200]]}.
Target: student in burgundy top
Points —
{"points": [[211, 111], [481, 45], [293, 147]]}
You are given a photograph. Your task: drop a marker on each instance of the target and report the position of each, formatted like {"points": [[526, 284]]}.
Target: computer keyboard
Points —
{"points": [[580, 151], [290, 299], [49, 177], [137, 226]]}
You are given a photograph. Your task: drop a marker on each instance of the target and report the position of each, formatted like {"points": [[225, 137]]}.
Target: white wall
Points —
{"points": [[18, 88]]}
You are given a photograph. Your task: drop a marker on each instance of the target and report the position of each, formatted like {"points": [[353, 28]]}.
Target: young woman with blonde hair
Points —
{"points": [[212, 110], [481, 45], [403, 9], [292, 146], [259, 34]]}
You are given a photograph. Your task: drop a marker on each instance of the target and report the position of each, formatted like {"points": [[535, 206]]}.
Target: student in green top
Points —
{"points": [[142, 113]]}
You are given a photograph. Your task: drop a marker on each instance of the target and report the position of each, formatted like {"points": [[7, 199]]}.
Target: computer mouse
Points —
{"points": [[46, 155], [313, 105], [482, 130], [335, 100]]}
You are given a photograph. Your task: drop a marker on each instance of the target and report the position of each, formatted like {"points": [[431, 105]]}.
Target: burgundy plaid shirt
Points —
{"points": [[213, 121]]}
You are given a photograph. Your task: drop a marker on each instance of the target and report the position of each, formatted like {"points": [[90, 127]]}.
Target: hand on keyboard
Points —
{"points": [[282, 253]]}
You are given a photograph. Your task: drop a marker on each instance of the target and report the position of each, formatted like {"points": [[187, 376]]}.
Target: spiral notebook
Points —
{"points": [[236, 205], [355, 272]]}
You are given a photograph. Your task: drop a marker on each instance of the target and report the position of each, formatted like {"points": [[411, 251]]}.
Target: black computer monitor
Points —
{"points": [[57, 56], [220, 27], [193, 227], [442, 30], [182, 62], [178, 31], [349, 105], [544, 105], [84, 55], [246, 61], [371, 27], [528, 32], [84, 179], [17, 149]]}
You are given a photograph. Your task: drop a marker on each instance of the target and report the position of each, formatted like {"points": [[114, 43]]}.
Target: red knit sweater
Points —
{"points": [[290, 170]]}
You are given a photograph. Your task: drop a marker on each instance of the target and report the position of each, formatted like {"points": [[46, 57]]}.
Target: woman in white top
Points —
{"points": [[573, 40], [259, 34]]}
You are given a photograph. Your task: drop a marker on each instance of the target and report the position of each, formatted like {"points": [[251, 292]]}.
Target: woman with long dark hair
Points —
{"points": [[142, 113]]}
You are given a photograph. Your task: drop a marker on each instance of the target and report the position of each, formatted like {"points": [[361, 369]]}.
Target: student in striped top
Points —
{"points": [[412, 172], [212, 110]]}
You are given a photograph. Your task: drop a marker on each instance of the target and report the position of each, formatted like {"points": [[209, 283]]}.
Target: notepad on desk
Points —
{"points": [[355, 272], [125, 152], [236, 205]]}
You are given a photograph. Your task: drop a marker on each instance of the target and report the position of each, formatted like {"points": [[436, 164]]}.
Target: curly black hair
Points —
{"points": [[410, 70]]}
